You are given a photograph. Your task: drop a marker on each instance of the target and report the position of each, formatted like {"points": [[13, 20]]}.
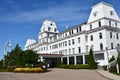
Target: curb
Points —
{"points": [[104, 75]]}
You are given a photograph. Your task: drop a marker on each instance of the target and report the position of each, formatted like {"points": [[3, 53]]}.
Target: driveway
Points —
{"points": [[54, 74]]}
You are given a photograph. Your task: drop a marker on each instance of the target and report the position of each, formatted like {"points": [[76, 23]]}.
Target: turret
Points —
{"points": [[102, 10], [47, 32]]}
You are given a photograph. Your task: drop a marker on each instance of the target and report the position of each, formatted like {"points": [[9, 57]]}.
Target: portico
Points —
{"points": [[75, 59]]}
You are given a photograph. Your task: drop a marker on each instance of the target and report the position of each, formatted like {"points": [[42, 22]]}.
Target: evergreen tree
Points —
{"points": [[92, 63], [59, 62], [112, 59], [19, 58]]}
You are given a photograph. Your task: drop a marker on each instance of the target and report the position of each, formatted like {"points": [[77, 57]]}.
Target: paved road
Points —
{"points": [[54, 74]]}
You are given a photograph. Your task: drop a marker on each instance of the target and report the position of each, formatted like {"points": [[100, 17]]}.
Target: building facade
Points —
{"points": [[101, 33]]}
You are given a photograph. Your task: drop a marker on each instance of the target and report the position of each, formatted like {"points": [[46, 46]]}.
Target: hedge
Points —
{"points": [[28, 70], [78, 66]]}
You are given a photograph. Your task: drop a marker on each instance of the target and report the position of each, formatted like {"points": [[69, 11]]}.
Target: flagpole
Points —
{"points": [[4, 55]]}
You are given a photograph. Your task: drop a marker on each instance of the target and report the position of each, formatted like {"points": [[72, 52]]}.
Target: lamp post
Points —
{"points": [[117, 66], [107, 58]]}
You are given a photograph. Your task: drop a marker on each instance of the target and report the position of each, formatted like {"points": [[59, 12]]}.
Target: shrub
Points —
{"points": [[113, 69], [28, 70], [78, 66]]}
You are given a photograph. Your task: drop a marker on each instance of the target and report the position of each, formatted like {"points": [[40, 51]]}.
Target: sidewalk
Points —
{"points": [[108, 75]]}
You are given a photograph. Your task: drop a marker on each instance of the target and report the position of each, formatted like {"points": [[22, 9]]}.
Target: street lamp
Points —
{"points": [[107, 58]]}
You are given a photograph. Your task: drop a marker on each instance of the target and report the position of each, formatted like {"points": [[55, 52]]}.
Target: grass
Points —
{"points": [[116, 73], [4, 70]]}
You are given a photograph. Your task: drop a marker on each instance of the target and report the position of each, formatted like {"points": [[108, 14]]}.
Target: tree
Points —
{"points": [[118, 58], [19, 58], [1, 63], [30, 57], [92, 63], [112, 59], [14, 56]]}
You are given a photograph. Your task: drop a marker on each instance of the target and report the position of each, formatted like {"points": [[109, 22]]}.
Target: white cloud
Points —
{"points": [[60, 13]]}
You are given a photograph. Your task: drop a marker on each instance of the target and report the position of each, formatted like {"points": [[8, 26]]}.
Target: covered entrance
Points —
{"points": [[50, 59]]}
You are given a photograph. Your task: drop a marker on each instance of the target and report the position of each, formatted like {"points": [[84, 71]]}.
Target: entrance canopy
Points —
{"points": [[51, 55]]}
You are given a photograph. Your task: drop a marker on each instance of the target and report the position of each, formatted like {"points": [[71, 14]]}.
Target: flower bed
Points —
{"points": [[28, 70]]}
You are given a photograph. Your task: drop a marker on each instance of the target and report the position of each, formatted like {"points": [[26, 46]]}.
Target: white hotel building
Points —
{"points": [[101, 33]]}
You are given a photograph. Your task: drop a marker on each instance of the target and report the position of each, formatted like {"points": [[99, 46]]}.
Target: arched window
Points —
{"points": [[99, 23], [100, 35], [91, 47], [101, 46]]}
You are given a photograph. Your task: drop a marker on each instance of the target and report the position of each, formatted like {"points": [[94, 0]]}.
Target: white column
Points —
{"points": [[61, 59], [75, 62], [67, 60], [83, 58], [117, 66]]}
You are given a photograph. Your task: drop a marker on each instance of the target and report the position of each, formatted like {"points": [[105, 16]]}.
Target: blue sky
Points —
{"points": [[22, 19]]}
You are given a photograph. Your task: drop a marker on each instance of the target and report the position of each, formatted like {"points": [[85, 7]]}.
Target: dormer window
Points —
{"points": [[49, 28], [95, 14], [51, 24], [55, 29], [111, 13]]}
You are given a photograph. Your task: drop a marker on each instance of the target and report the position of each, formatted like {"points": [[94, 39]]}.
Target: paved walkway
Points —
{"points": [[108, 75], [55, 74]]}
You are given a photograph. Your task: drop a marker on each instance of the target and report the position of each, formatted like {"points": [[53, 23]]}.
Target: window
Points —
{"points": [[116, 24], [111, 13], [69, 32], [79, 28], [73, 49], [51, 24], [95, 14], [90, 26], [91, 47], [117, 36], [65, 43], [60, 45], [65, 34], [110, 34], [118, 44], [55, 29], [69, 51], [47, 34], [87, 48], [79, 49], [49, 28], [110, 23], [73, 41], [69, 42], [99, 23], [111, 45], [100, 35], [79, 40], [72, 31], [101, 46], [91, 37], [86, 38]]}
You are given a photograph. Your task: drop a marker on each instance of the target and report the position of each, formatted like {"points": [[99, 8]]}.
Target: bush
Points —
{"points": [[78, 66], [113, 69], [28, 70]]}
